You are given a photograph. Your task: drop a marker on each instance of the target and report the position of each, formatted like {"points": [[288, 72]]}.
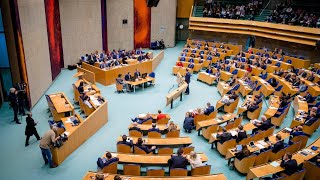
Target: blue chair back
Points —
{"points": [[234, 72], [279, 88], [258, 88], [278, 64], [281, 59], [289, 61], [152, 74], [209, 58], [228, 68]]}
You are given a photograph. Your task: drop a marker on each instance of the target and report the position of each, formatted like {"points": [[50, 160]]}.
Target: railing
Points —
{"points": [[265, 7]]}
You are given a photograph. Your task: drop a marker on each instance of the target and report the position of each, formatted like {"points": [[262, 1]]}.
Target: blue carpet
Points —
{"points": [[19, 162]]}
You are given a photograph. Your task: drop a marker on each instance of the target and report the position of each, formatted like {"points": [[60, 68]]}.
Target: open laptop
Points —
{"points": [[133, 78], [144, 75]]}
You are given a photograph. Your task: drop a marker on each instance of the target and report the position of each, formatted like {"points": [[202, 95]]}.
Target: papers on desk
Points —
{"points": [[271, 107], [66, 133], [288, 129], [68, 121], [233, 133], [96, 102], [275, 164], [259, 146], [214, 135], [141, 115], [218, 120], [262, 143]]}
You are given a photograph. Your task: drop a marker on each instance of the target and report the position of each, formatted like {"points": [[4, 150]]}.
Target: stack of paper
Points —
{"points": [[262, 143], [259, 146], [275, 164], [233, 133]]}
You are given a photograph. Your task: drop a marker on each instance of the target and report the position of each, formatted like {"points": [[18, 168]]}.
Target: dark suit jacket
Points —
{"points": [[265, 125], [310, 78], [224, 137], [253, 108], [308, 98], [80, 89], [144, 148], [277, 146], [240, 155], [290, 166], [177, 162], [126, 143], [135, 128], [188, 123], [187, 77], [209, 110], [137, 73], [241, 135], [154, 130], [30, 128], [127, 77], [310, 120]]}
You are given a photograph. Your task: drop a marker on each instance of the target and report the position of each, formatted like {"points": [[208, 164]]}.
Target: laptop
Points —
{"points": [[266, 139], [239, 147], [144, 75], [252, 144], [133, 78]]}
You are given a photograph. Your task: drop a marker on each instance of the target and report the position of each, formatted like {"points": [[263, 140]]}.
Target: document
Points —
{"points": [[275, 164]]}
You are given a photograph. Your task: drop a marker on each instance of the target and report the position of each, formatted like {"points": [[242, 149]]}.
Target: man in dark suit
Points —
{"points": [[252, 107], [290, 165], [188, 123], [154, 128], [126, 141], [102, 162], [13, 98], [31, 128], [263, 125], [308, 97], [178, 161], [145, 148], [187, 79], [311, 77], [127, 77], [137, 73], [209, 109], [310, 119], [242, 134], [296, 131], [223, 137], [278, 145]]}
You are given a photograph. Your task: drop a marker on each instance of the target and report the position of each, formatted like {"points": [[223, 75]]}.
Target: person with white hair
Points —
{"points": [[13, 97], [48, 138], [262, 125]]}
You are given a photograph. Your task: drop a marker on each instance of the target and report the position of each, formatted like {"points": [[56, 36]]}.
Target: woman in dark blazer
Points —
{"points": [[31, 128], [243, 153]]}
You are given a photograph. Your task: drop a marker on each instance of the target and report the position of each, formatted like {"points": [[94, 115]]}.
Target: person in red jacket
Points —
{"points": [[179, 64], [160, 116]]}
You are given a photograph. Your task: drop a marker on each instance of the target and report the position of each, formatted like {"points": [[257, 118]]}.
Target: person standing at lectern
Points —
{"points": [[187, 79]]}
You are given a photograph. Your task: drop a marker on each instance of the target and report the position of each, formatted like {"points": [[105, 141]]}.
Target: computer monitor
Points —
{"points": [[144, 75], [133, 78]]}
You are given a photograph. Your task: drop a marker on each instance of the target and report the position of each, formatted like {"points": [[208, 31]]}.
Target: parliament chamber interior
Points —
{"points": [[160, 89]]}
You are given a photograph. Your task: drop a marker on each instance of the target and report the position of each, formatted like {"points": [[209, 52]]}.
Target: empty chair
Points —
{"points": [[260, 135], [155, 172], [154, 134], [199, 117], [223, 148], [257, 90], [175, 133], [255, 114], [293, 147], [243, 165], [206, 132], [123, 148], [202, 170], [135, 133], [163, 121], [165, 150], [111, 168], [262, 158], [213, 114], [178, 172], [309, 130], [302, 138], [278, 90], [297, 176], [279, 116], [131, 169], [188, 149], [269, 131]]}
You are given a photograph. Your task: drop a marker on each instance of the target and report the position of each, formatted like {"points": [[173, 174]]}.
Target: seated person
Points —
{"points": [[172, 126], [290, 165], [191, 60], [278, 145], [137, 73], [160, 115], [296, 131], [308, 97], [179, 64], [209, 70], [273, 82], [296, 83], [101, 100], [230, 99], [252, 107], [178, 161], [244, 152], [147, 56], [283, 103], [154, 128], [140, 58], [104, 65], [223, 136], [303, 87], [242, 134], [194, 160], [145, 148], [311, 77], [86, 101], [191, 65], [142, 118], [310, 119], [81, 87], [102, 162], [262, 125], [135, 127], [120, 81], [316, 160], [232, 81], [209, 109], [126, 141], [188, 123], [127, 77]]}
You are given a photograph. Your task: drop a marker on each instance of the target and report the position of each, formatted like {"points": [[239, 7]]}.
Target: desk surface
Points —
{"points": [[163, 141], [214, 121], [146, 127], [267, 169], [61, 104], [274, 103], [147, 159], [202, 177], [140, 81]]}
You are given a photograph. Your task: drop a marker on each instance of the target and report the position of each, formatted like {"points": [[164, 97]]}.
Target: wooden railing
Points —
{"points": [[295, 34]]}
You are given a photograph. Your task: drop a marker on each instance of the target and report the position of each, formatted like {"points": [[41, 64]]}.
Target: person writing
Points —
{"points": [[194, 160], [145, 148], [31, 129], [48, 138]]}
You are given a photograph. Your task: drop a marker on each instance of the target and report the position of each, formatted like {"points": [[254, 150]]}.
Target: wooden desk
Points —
{"points": [[243, 108], [312, 87], [223, 88], [231, 152], [85, 74], [268, 169], [274, 103], [61, 103], [140, 81], [266, 88], [300, 105], [287, 87], [79, 134], [131, 61], [89, 88], [145, 127], [175, 94], [147, 159], [244, 88], [225, 76], [211, 122], [174, 142], [201, 177], [206, 78], [247, 127]]}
